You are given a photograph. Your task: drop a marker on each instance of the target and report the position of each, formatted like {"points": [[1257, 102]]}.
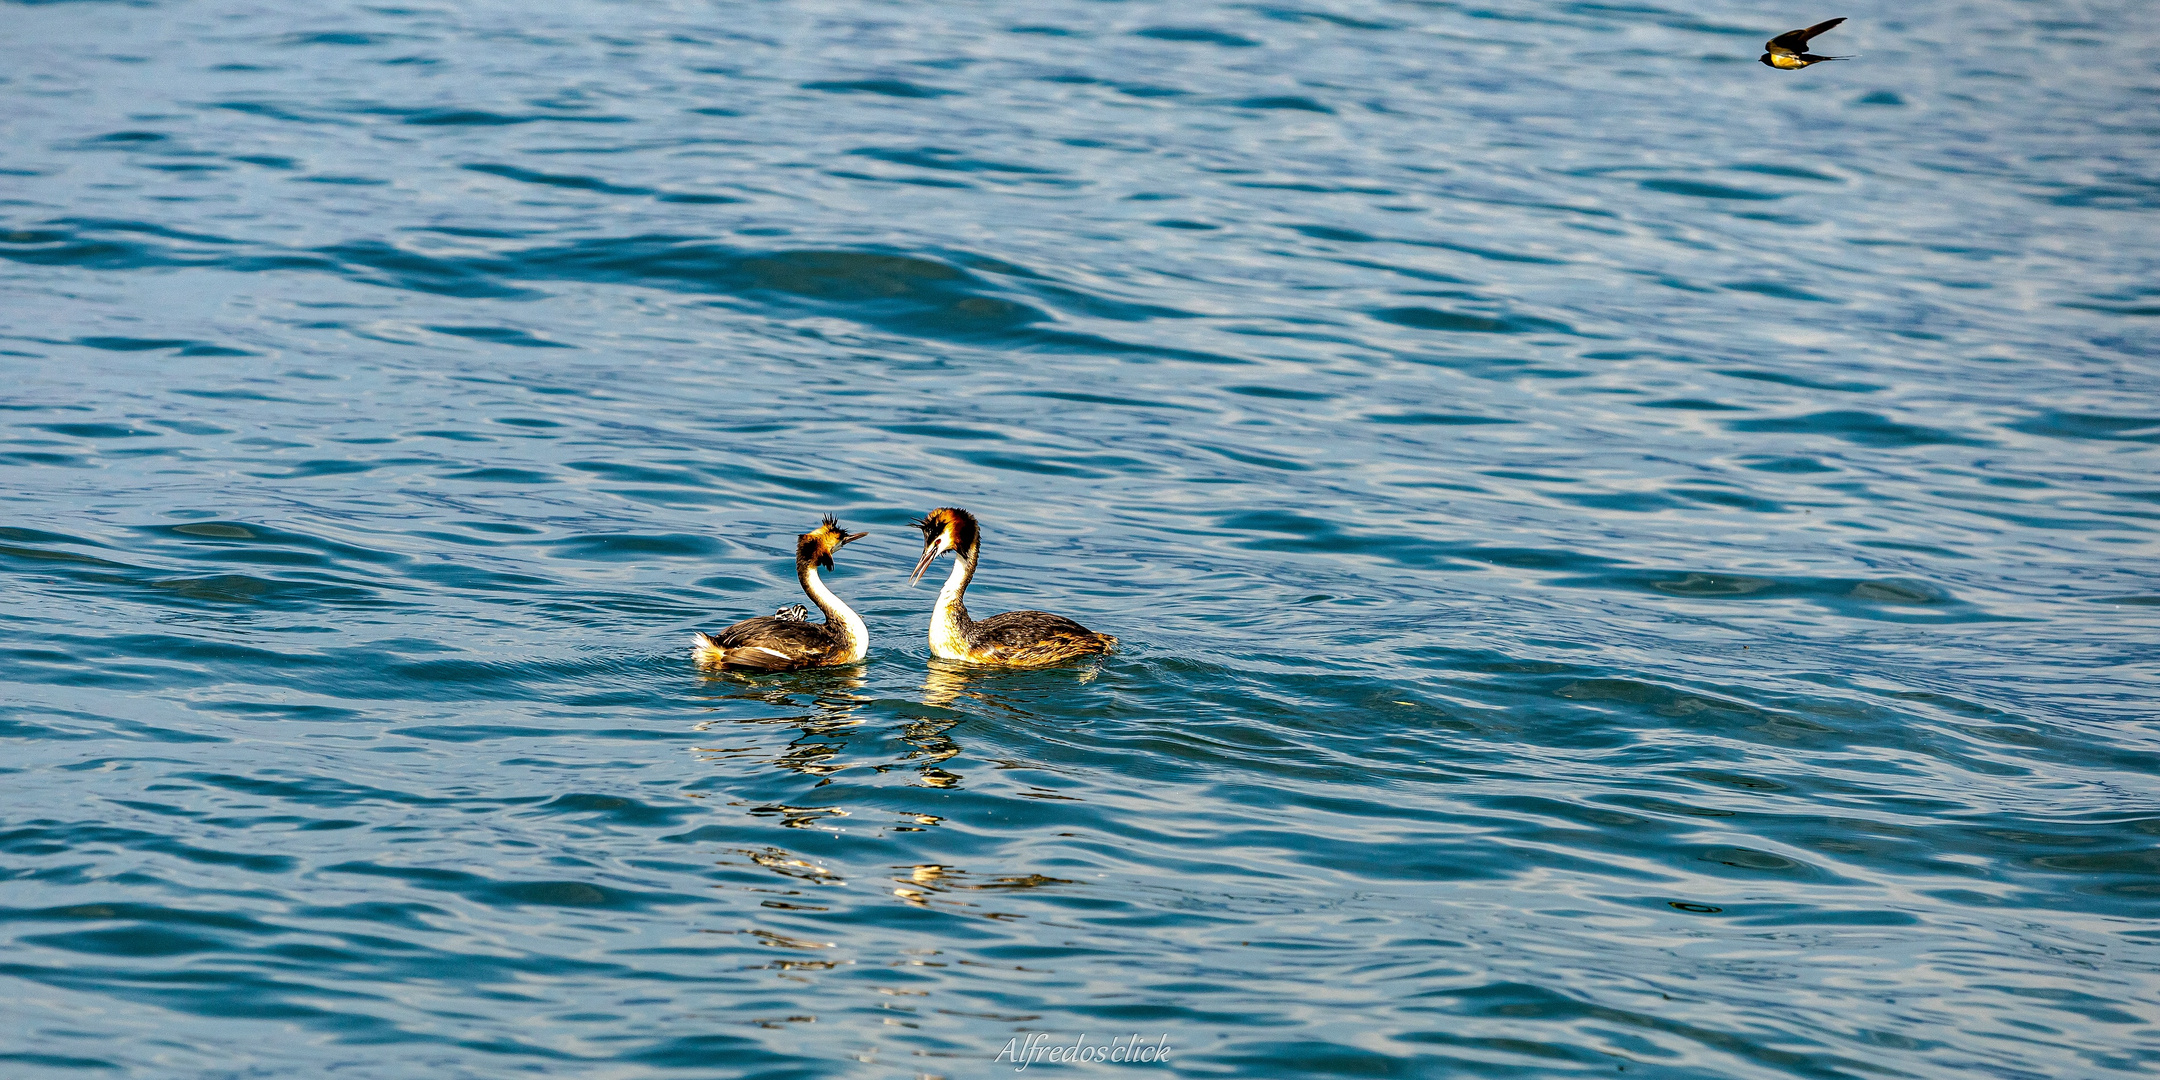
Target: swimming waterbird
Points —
{"points": [[1788, 51], [1014, 639], [786, 639]]}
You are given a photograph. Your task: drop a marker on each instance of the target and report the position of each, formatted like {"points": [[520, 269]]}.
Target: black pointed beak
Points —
{"points": [[849, 538], [929, 555]]}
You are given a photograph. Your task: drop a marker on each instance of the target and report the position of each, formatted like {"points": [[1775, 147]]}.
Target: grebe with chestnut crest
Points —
{"points": [[1014, 639], [787, 640]]}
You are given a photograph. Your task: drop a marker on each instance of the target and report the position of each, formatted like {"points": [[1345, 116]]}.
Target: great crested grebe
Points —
{"points": [[787, 639], [1014, 639]]}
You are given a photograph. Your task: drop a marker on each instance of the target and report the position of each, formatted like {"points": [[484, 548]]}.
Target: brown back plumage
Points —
{"points": [[771, 643], [1027, 638]]}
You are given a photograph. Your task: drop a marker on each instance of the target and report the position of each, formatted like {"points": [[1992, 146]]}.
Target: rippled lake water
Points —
{"points": [[1628, 561]]}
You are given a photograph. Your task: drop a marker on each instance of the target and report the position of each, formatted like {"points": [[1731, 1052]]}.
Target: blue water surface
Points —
{"points": [[1629, 562]]}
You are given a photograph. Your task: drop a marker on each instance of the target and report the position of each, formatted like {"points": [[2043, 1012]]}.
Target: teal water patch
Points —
{"points": [[1425, 318], [558, 180], [898, 88], [1861, 428], [1705, 190], [1292, 102], [2070, 425], [1196, 34]]}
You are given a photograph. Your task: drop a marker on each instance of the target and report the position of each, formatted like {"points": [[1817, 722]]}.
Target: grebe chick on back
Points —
{"points": [[1014, 639], [786, 639]]}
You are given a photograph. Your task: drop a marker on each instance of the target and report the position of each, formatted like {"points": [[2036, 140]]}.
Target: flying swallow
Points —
{"points": [[1788, 51]]}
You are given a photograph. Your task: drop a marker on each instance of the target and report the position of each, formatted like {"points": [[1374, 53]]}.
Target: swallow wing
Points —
{"points": [[1794, 42]]}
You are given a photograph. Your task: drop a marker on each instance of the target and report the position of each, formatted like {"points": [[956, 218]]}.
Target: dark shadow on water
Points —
{"points": [[939, 298]]}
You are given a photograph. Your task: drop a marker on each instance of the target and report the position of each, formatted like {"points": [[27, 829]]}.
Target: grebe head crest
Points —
{"points": [[944, 529], [820, 543]]}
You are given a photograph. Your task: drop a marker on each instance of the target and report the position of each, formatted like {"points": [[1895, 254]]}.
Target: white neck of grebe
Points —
{"points": [[837, 614], [949, 620]]}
